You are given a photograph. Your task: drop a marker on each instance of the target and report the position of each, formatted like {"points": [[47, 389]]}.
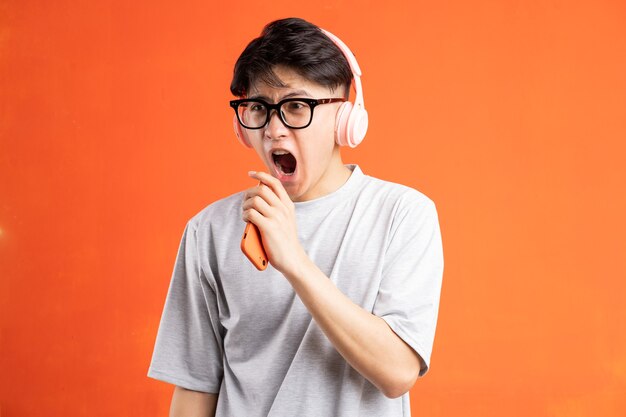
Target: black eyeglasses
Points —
{"points": [[295, 113]]}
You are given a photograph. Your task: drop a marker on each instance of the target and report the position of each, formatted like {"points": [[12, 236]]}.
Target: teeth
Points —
{"points": [[279, 152]]}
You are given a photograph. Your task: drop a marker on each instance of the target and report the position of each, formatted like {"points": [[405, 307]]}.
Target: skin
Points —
{"points": [[187, 403], [365, 341]]}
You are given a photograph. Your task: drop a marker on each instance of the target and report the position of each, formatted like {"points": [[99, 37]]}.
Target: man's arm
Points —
{"points": [[365, 341], [186, 403]]}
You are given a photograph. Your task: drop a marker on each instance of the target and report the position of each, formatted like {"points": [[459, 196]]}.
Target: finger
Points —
{"points": [[259, 204], [254, 217], [273, 183], [264, 192], [250, 192], [268, 195]]}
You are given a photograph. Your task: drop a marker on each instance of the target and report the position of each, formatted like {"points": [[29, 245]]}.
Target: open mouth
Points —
{"points": [[284, 162]]}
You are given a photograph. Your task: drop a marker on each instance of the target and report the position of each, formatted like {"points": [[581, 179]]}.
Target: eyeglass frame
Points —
{"points": [[312, 102]]}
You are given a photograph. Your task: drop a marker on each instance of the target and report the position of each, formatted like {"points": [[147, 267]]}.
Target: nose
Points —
{"points": [[275, 127]]}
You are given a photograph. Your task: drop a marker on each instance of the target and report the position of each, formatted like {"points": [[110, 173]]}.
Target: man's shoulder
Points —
{"points": [[221, 211], [400, 194]]}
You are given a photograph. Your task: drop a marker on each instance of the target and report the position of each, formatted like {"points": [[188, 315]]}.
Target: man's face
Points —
{"points": [[318, 165]]}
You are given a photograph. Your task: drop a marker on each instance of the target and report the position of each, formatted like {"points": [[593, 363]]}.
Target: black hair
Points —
{"points": [[298, 45]]}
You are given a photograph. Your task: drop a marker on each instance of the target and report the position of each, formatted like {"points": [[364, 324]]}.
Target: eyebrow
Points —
{"points": [[296, 93]]}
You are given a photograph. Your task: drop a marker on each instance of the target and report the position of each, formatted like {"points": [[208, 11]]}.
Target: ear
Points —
{"points": [[241, 133]]}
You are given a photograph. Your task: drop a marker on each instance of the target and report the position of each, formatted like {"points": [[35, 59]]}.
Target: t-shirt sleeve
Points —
{"points": [[188, 348], [408, 298]]}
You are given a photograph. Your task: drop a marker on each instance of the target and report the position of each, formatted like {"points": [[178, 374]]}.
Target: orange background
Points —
{"points": [[510, 115]]}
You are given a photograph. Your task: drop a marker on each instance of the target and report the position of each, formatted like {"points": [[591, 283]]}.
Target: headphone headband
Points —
{"points": [[354, 66]]}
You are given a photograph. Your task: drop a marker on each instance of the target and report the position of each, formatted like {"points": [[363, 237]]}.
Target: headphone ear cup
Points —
{"points": [[239, 133], [341, 128], [357, 126]]}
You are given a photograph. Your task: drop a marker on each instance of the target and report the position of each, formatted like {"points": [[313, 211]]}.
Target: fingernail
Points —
{"points": [[251, 173]]}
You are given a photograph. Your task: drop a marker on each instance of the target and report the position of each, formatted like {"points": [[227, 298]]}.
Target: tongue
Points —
{"points": [[287, 163]]}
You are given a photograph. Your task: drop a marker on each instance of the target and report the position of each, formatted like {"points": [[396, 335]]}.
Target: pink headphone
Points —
{"points": [[352, 119]]}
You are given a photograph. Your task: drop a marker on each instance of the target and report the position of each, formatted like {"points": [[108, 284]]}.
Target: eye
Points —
{"points": [[295, 106], [257, 107]]}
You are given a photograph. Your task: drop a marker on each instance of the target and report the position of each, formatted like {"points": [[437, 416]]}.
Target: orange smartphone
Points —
{"points": [[252, 246]]}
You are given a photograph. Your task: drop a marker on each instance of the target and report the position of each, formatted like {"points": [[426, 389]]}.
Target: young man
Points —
{"points": [[342, 321]]}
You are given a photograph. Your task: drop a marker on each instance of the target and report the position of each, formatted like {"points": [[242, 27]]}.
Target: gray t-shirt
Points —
{"points": [[228, 328]]}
